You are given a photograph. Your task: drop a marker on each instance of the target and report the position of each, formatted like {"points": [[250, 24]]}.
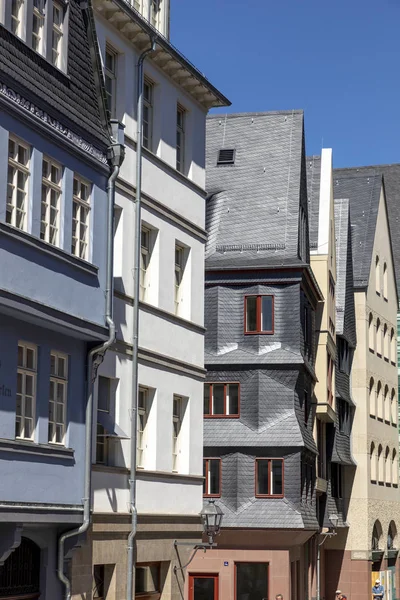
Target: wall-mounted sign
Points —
{"points": [[226, 564]]}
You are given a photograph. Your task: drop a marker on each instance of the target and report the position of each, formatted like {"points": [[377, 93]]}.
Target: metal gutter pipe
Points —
{"points": [[135, 336], [95, 358]]}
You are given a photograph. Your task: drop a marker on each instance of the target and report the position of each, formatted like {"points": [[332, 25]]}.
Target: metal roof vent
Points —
{"points": [[226, 156]]}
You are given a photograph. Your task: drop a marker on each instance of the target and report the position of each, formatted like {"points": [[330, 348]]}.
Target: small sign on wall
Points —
{"points": [[226, 564]]}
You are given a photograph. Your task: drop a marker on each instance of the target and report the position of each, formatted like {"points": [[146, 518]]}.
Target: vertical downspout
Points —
{"points": [[135, 337], [95, 358]]}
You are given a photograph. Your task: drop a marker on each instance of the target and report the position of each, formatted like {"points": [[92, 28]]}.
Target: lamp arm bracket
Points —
{"points": [[195, 547]]}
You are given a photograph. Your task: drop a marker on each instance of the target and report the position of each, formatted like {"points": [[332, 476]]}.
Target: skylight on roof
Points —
{"points": [[226, 156]]}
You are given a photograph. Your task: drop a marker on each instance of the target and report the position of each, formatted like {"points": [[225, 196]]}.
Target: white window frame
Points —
{"points": [[176, 430], [57, 381], [180, 135], [24, 372], [22, 169], [145, 254], [51, 200], [18, 18], [179, 269], [148, 104], [111, 74], [80, 245], [142, 418], [155, 13], [38, 12], [57, 31]]}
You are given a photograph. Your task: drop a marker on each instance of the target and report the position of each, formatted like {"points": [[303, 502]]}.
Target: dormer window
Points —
{"points": [[226, 156], [37, 25], [17, 14], [57, 35]]}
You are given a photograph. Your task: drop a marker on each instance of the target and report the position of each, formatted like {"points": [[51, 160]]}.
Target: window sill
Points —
{"points": [[265, 496], [259, 333], [25, 447], [109, 469], [221, 416], [211, 495], [41, 246], [168, 475]]}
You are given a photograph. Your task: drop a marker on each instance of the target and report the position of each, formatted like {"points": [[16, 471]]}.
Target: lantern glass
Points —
{"points": [[211, 517]]}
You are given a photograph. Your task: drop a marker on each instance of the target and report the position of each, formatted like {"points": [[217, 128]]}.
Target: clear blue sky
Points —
{"points": [[339, 60]]}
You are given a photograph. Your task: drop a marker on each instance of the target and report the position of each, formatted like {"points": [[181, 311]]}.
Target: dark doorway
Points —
{"points": [[203, 587], [20, 574]]}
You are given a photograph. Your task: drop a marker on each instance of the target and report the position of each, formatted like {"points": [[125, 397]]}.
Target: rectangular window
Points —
{"points": [[180, 139], [212, 477], [143, 413], [179, 268], [321, 445], [307, 329], [329, 379], [155, 13], [51, 194], [254, 577], [58, 396], [336, 480], [144, 262], [26, 391], [259, 314], [80, 218], [98, 582], [344, 356], [221, 399], [306, 406], [176, 429], [269, 477], [37, 25], [110, 77], [147, 581], [17, 183], [103, 405], [148, 89], [17, 9], [57, 34]]}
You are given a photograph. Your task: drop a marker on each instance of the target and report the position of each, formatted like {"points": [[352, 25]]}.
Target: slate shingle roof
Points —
{"points": [[253, 207], [313, 170], [391, 178], [363, 191], [69, 98]]}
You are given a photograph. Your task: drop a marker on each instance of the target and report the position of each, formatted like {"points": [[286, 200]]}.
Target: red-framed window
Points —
{"points": [[221, 400], [259, 314], [212, 477], [269, 477]]}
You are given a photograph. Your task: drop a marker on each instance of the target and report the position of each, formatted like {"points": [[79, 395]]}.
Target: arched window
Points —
{"points": [[392, 536], [393, 407], [378, 337], [371, 333], [393, 347], [385, 342], [387, 470], [381, 474], [377, 276], [373, 465], [17, 581], [372, 398], [376, 536], [395, 469], [385, 282], [379, 401], [386, 405]]}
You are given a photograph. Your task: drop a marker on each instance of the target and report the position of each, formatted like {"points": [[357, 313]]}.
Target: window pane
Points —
{"points": [[103, 402], [206, 409], [266, 313], [276, 476], [233, 395], [20, 356], [262, 477], [251, 313], [204, 588], [253, 578], [213, 477], [218, 399]]}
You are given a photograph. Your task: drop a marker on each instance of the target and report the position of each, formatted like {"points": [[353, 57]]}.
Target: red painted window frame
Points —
{"points": [[224, 416], [258, 458], [258, 314], [193, 576], [205, 460]]}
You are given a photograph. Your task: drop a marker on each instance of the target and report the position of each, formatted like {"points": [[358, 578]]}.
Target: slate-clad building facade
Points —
{"points": [[53, 220], [261, 298]]}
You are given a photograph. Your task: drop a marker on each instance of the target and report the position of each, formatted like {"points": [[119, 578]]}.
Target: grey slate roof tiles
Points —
{"points": [[313, 170], [363, 191], [70, 98], [253, 208]]}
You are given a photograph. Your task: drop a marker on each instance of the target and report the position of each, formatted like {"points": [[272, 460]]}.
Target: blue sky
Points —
{"points": [[338, 60]]}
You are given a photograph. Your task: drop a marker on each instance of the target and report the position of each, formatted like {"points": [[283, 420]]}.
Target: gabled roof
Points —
{"points": [[253, 204], [313, 170], [391, 178], [363, 191], [345, 309], [70, 98]]}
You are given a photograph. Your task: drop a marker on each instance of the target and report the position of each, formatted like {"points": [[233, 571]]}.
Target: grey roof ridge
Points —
{"points": [[294, 111], [278, 421], [365, 167]]}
